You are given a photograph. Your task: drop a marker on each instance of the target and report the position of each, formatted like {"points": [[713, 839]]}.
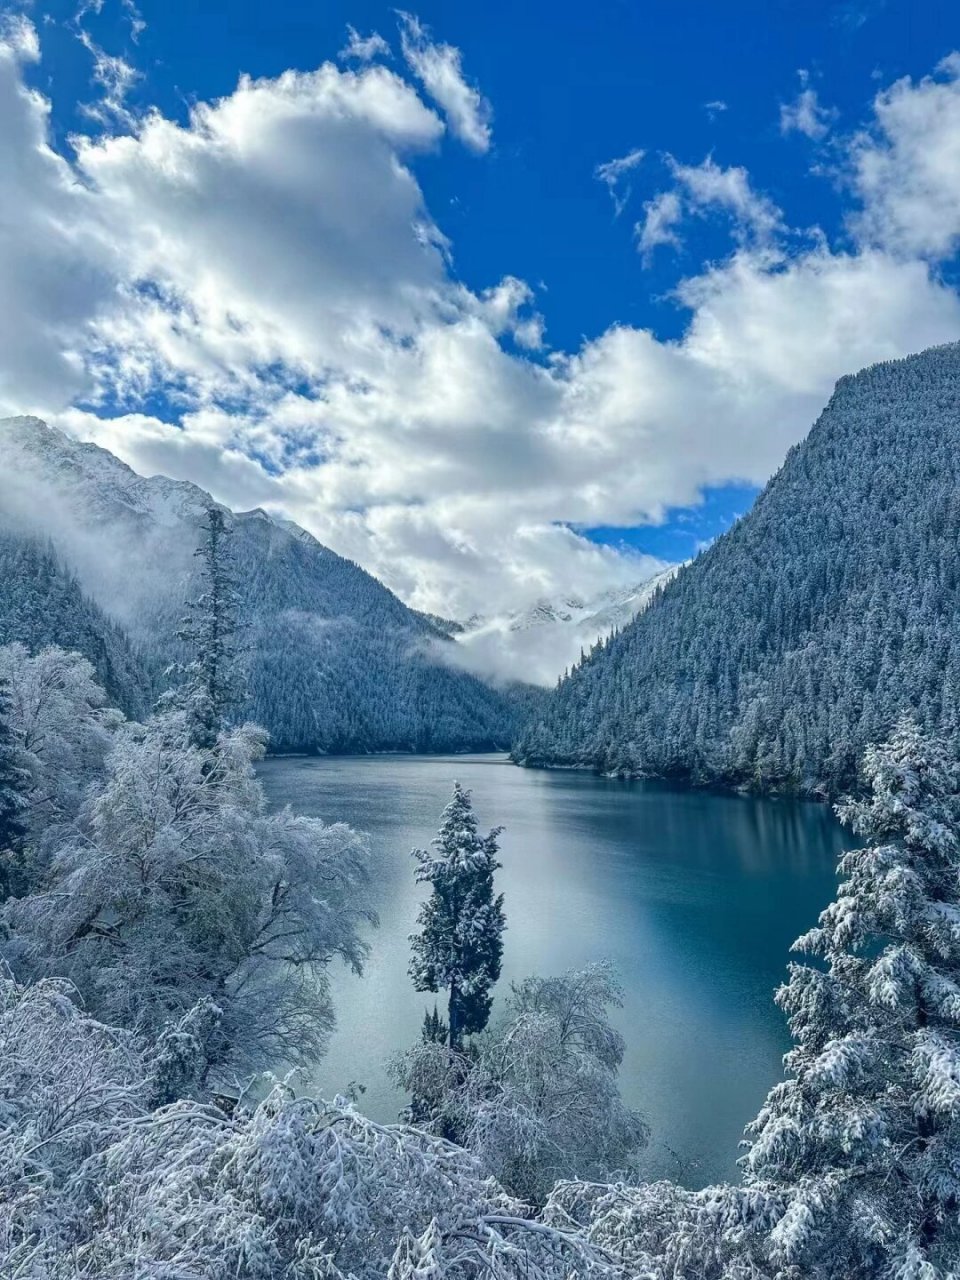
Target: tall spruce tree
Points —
{"points": [[211, 686], [460, 944], [12, 801], [859, 1149]]}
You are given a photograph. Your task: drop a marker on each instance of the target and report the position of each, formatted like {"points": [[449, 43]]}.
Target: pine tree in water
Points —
{"points": [[12, 802], [211, 686], [861, 1143], [460, 944]]}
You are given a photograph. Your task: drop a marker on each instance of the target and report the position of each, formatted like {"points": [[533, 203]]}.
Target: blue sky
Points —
{"points": [[627, 389], [571, 86]]}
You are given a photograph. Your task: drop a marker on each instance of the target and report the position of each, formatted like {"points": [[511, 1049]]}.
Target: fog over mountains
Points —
{"points": [[772, 660], [541, 642], [334, 660]]}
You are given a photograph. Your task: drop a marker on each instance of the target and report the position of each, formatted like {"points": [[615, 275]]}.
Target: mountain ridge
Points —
{"points": [[797, 638], [337, 661]]}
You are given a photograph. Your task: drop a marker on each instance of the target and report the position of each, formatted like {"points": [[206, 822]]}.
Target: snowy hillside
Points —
{"points": [[335, 660], [802, 634]]}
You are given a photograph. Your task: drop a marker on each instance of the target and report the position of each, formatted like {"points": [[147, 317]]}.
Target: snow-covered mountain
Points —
{"points": [[804, 632], [42, 603], [336, 660], [597, 614], [539, 642]]}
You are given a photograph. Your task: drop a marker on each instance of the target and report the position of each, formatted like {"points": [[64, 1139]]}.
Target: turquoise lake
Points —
{"points": [[695, 896]]}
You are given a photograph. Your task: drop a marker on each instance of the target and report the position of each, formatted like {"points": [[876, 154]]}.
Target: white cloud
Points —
{"points": [[18, 38], [907, 167], [661, 216], [699, 190], [611, 172], [715, 108], [438, 68], [115, 77], [271, 267], [805, 114], [709, 186], [364, 48], [55, 269], [278, 225], [504, 307], [136, 20]]}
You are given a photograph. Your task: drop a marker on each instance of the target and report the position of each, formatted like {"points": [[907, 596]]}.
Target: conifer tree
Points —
{"points": [[460, 946], [860, 1146], [434, 1029], [12, 802], [211, 686]]}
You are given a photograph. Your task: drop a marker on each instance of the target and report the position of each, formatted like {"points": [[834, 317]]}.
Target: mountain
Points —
{"points": [[335, 661], [803, 632], [539, 642], [608, 609], [42, 603]]}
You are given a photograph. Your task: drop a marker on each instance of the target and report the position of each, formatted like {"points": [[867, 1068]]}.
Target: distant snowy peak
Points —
{"points": [[545, 612], [539, 642], [618, 608], [601, 613]]}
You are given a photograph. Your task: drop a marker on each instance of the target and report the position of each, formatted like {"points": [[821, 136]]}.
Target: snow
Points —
{"points": [[537, 643]]}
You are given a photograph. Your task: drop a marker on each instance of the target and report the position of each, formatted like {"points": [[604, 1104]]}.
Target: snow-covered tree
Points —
{"points": [[62, 729], [12, 801], [860, 1145], [535, 1097], [175, 884], [460, 943], [662, 1231], [211, 684], [100, 1184]]}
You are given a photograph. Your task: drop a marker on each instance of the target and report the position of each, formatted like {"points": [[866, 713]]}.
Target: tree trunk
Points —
{"points": [[452, 1015]]}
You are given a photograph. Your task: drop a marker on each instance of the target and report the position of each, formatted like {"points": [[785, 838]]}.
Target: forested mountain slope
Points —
{"points": [[801, 633], [41, 603], [334, 660]]}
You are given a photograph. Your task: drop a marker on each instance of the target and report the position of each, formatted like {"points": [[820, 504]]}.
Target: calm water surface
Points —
{"points": [[696, 897]]}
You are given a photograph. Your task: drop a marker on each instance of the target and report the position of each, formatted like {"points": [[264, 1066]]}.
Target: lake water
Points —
{"points": [[695, 896]]}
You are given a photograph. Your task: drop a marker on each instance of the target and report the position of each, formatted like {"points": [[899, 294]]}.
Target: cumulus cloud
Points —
{"points": [[906, 168], [507, 308], [279, 226], [805, 114], [268, 271], [55, 267], [438, 68], [611, 173]]}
